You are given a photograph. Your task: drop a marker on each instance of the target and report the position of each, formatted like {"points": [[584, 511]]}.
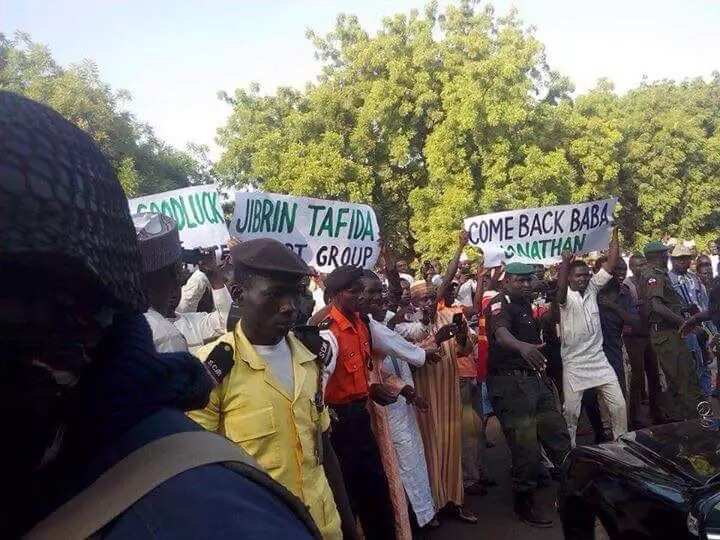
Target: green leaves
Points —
{"points": [[443, 116]]}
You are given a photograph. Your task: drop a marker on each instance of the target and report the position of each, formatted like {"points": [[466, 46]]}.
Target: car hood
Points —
{"points": [[690, 448]]}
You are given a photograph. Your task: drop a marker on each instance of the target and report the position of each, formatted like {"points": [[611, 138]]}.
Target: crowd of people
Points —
{"points": [[253, 395]]}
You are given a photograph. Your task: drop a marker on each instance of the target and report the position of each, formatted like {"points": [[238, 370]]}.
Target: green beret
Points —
{"points": [[519, 269], [656, 246]]}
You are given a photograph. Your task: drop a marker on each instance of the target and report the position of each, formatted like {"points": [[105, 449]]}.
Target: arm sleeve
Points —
{"points": [[497, 316], [600, 279], [207, 326], [414, 332], [209, 417], [192, 292], [387, 342], [655, 287], [166, 337], [328, 336]]}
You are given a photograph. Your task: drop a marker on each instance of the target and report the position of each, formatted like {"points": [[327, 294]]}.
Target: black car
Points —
{"points": [[661, 482]]}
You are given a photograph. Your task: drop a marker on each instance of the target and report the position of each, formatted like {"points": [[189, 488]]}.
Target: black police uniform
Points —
{"points": [[524, 403]]}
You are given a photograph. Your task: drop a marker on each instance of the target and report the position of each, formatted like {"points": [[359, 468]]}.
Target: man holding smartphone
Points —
{"points": [[441, 384]]}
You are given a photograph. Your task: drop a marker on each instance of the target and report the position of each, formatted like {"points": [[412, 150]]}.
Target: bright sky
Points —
{"points": [[173, 56]]}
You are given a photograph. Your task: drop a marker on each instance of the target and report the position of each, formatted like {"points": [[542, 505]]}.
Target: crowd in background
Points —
{"points": [[151, 391], [603, 348]]}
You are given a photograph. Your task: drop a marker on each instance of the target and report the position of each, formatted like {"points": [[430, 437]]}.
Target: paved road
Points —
{"points": [[497, 520]]}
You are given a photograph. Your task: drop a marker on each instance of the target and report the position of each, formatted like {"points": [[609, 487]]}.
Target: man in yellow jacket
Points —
{"points": [[271, 401]]}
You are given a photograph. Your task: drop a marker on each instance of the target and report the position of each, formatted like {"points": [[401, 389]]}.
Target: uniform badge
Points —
{"points": [[219, 362], [325, 324], [495, 308], [325, 353], [652, 281]]}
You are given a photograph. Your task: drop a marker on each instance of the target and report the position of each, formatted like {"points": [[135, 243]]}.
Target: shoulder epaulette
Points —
{"points": [[220, 362], [325, 324]]}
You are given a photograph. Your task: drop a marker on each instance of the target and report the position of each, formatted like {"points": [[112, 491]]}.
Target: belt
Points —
{"points": [[660, 327], [343, 410], [513, 372]]}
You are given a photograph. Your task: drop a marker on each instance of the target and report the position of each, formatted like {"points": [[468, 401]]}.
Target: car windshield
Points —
{"points": [[690, 446]]}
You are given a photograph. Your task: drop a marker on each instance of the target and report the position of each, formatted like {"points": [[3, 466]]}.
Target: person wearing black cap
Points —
{"points": [[160, 250], [347, 393], [666, 314], [271, 402], [84, 393], [524, 402]]}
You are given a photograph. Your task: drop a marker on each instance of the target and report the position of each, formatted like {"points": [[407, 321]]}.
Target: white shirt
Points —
{"points": [[408, 278], [402, 420], [188, 331], [279, 359], [192, 292], [584, 362], [384, 341], [199, 328], [166, 337], [319, 297], [465, 293]]}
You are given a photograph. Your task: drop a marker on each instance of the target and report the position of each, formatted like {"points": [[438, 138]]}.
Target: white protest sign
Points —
{"points": [[325, 234], [540, 235], [196, 210]]}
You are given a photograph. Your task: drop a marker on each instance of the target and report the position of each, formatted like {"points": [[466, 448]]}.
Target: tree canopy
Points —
{"points": [[144, 163], [440, 116]]}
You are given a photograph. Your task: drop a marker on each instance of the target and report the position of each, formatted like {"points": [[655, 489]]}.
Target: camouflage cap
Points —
{"points": [[682, 250], [656, 246], [59, 197], [519, 269]]}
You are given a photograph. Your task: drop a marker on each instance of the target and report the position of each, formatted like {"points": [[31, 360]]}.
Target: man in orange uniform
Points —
{"points": [[347, 393]]}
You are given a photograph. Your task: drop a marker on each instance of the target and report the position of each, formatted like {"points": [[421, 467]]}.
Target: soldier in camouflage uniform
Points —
{"points": [[666, 314]]}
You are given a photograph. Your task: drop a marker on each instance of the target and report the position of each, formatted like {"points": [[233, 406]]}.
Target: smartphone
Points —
{"points": [[458, 319]]}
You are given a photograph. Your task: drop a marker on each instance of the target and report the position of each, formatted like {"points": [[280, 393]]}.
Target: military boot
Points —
{"points": [[528, 512]]}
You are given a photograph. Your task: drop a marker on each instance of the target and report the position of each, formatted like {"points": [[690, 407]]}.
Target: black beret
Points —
{"points": [[268, 256], [342, 278]]}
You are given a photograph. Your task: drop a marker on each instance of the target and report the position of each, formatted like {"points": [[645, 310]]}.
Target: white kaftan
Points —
{"points": [[404, 429], [188, 331], [584, 362]]}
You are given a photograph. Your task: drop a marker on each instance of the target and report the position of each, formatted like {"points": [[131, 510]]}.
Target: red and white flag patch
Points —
{"points": [[495, 308]]}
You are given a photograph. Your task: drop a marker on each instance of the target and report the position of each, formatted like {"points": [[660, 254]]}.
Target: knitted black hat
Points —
{"points": [[59, 197]]}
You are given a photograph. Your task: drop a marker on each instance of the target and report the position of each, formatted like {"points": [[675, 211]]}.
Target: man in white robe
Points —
{"points": [[585, 365], [160, 249]]}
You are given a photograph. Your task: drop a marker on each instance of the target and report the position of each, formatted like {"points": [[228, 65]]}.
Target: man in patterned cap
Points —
{"points": [[82, 387], [693, 292], [667, 312], [524, 403], [160, 249]]}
